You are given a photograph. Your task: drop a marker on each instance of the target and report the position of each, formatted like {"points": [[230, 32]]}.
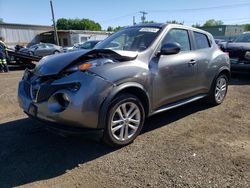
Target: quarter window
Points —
{"points": [[180, 36], [201, 40]]}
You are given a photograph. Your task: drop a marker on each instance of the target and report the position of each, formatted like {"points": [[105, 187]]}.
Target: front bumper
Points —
{"points": [[83, 108]]}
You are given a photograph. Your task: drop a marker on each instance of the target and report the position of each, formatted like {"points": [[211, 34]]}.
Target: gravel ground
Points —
{"points": [[192, 146]]}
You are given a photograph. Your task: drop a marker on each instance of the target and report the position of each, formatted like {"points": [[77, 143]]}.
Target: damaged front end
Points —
{"points": [[67, 92]]}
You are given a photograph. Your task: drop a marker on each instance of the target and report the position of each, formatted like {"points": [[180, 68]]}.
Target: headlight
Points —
{"points": [[86, 65], [81, 67]]}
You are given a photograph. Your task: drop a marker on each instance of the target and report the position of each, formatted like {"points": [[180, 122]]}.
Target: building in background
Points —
{"points": [[27, 35], [71, 37], [22, 34], [224, 31]]}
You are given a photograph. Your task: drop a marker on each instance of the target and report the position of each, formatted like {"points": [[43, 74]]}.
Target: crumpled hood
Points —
{"points": [[54, 64]]}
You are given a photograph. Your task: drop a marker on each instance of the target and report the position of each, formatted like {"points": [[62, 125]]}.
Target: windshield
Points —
{"points": [[33, 47], [88, 45], [130, 39], [245, 37]]}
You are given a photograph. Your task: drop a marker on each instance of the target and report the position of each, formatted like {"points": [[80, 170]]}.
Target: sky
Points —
{"points": [[120, 13]]}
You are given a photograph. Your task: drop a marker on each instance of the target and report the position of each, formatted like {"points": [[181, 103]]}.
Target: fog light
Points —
{"points": [[66, 97], [58, 102], [63, 99]]}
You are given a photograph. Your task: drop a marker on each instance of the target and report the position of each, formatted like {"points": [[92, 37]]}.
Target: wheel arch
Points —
{"points": [[226, 72], [132, 88]]}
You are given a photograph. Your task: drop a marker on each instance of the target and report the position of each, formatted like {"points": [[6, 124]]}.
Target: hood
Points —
{"points": [[54, 64], [238, 45]]}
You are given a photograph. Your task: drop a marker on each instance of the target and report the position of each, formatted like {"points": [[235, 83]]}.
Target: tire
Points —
{"points": [[56, 52], [128, 114], [218, 90]]}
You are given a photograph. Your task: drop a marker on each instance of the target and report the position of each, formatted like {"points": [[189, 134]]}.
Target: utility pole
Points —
{"points": [[134, 20], [54, 24], [143, 18]]}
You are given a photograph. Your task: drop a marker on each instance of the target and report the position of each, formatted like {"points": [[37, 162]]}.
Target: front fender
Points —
{"points": [[115, 91]]}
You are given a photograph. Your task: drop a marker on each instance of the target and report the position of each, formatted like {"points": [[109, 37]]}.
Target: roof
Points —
{"points": [[25, 25], [159, 25]]}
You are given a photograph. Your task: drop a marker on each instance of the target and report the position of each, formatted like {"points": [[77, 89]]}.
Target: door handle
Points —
{"points": [[192, 62]]}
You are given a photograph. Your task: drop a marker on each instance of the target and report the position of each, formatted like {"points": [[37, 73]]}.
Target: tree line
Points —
{"points": [[87, 24]]}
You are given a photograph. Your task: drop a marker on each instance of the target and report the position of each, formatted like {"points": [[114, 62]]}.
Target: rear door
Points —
{"points": [[176, 77], [204, 53]]}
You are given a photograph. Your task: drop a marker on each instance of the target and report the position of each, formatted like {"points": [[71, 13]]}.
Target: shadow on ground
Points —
{"points": [[29, 153], [240, 79]]}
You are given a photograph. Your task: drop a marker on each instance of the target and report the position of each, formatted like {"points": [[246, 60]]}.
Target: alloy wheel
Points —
{"points": [[220, 89], [125, 121]]}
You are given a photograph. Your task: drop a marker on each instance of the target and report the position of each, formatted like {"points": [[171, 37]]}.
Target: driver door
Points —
{"points": [[175, 78]]}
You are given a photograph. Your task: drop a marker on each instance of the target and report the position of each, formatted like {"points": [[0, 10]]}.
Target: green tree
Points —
{"points": [[212, 22], [118, 28], [247, 27], [149, 22], [175, 22], [196, 25], [110, 28], [77, 24], [1, 20], [62, 23]]}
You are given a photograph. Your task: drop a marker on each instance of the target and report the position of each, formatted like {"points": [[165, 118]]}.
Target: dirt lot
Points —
{"points": [[192, 146]]}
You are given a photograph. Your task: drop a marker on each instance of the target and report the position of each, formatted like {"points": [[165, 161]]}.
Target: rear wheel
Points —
{"points": [[125, 120], [219, 90]]}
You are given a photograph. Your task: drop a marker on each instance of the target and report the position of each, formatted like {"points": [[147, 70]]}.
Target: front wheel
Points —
{"points": [[219, 90], [125, 120]]}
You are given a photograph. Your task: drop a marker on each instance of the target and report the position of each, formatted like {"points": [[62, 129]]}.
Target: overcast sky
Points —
{"points": [[120, 13]]}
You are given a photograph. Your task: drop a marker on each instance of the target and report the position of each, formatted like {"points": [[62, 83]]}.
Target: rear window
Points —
{"points": [[201, 40]]}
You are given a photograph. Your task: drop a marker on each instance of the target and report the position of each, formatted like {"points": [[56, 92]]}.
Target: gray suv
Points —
{"points": [[155, 67]]}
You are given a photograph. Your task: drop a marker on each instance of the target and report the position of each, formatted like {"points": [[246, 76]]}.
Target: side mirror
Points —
{"points": [[170, 48]]}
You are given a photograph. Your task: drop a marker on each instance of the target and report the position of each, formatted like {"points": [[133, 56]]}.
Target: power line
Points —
{"points": [[177, 10], [202, 8], [235, 19], [119, 17]]}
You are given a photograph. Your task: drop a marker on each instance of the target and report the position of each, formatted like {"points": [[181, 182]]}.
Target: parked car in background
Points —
{"points": [[156, 68], [85, 46], [239, 52], [218, 41], [42, 49]]}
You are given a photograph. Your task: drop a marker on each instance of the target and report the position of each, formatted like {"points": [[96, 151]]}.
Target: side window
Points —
{"points": [[201, 40], [49, 46], [41, 46], [180, 36]]}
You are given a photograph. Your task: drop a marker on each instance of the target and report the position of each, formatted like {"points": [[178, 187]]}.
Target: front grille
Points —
{"points": [[46, 90], [40, 89]]}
